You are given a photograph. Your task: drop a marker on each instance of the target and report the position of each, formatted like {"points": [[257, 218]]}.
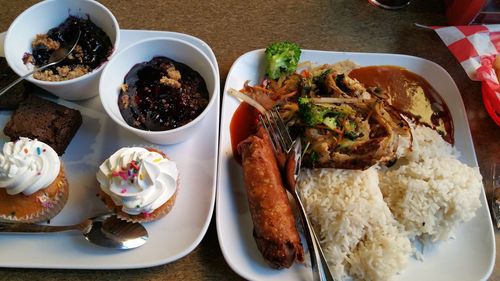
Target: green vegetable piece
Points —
{"points": [[352, 135], [330, 122], [350, 125], [282, 59], [319, 79], [311, 114], [343, 109], [313, 156]]}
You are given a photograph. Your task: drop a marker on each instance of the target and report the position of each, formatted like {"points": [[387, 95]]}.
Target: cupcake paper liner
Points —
{"points": [[49, 206]]}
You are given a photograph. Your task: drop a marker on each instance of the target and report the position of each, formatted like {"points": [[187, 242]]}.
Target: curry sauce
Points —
{"points": [[410, 94]]}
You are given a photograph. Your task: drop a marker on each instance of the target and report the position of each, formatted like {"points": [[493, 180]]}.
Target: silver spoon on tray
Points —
{"points": [[56, 57], [105, 230]]}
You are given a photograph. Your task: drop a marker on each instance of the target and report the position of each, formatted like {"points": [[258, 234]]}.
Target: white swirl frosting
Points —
{"points": [[27, 166], [137, 179]]}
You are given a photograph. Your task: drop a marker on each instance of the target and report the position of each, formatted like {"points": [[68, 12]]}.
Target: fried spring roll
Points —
{"points": [[275, 232]]}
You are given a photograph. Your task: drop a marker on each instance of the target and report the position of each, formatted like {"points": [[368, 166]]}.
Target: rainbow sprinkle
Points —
{"points": [[123, 190], [26, 150], [157, 160], [129, 173], [133, 165], [45, 201], [38, 151]]}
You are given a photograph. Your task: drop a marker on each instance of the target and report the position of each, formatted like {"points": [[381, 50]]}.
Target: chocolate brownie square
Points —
{"points": [[16, 94], [49, 122]]}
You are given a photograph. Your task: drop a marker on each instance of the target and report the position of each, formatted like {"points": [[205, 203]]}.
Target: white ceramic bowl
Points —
{"points": [[48, 14], [113, 77]]}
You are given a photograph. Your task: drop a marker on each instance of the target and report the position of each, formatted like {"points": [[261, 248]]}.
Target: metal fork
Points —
{"points": [[292, 150], [495, 193]]}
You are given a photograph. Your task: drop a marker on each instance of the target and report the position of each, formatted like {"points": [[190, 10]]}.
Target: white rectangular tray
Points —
{"points": [[470, 256], [171, 237]]}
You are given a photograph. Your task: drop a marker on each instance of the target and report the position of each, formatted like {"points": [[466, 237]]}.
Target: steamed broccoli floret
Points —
{"points": [[330, 116], [282, 59], [311, 114]]}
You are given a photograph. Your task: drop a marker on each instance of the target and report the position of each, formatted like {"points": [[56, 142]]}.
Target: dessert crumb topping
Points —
{"points": [[170, 82], [77, 54], [44, 40], [172, 78], [124, 99], [61, 73], [173, 73], [124, 87]]}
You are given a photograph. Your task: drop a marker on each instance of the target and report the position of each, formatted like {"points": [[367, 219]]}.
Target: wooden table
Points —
{"points": [[232, 28]]}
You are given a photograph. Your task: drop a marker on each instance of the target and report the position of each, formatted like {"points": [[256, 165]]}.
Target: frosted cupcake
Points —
{"points": [[33, 184], [138, 184]]}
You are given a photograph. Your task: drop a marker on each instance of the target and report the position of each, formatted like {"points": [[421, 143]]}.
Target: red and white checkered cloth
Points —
{"points": [[475, 47], [469, 43]]}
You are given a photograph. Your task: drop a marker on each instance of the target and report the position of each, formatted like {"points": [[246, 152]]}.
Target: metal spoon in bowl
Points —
{"points": [[56, 57], [105, 230]]}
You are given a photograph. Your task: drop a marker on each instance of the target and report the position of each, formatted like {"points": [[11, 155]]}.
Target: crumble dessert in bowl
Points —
{"points": [[50, 24], [91, 51], [159, 89]]}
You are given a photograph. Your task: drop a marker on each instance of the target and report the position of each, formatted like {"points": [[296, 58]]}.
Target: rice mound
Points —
{"points": [[366, 219], [358, 233], [433, 192], [427, 143]]}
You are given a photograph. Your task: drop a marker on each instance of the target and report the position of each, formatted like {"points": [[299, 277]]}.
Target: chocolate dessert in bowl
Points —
{"points": [[159, 89], [43, 28]]}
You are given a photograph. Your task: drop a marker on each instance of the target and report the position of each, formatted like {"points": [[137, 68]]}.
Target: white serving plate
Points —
{"points": [[470, 256], [171, 237]]}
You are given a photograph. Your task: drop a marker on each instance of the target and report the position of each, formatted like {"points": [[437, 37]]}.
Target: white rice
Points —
{"points": [[433, 192], [358, 233], [367, 236], [427, 143]]}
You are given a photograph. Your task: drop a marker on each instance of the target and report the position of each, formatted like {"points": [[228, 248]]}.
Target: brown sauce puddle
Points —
{"points": [[410, 94]]}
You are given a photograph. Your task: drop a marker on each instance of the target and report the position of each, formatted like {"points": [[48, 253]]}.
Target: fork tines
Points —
{"points": [[277, 131]]}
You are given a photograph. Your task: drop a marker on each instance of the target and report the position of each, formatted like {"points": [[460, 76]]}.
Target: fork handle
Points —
{"points": [[321, 271], [326, 274], [38, 228], [4, 90], [33, 228]]}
